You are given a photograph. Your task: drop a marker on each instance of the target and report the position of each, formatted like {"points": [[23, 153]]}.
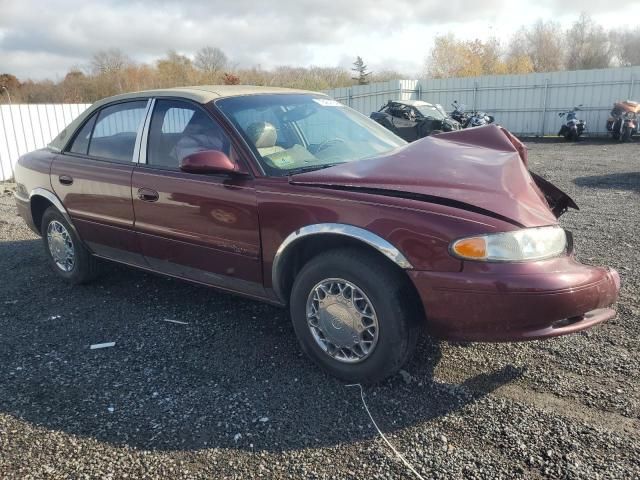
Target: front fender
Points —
{"points": [[357, 233]]}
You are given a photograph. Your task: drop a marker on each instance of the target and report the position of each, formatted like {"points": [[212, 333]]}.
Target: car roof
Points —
{"points": [[199, 93], [206, 93]]}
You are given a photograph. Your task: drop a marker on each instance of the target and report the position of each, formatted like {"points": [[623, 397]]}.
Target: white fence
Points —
{"points": [[527, 105], [28, 127]]}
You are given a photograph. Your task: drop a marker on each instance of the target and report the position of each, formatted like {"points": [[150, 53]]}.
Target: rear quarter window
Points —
{"points": [[80, 143]]}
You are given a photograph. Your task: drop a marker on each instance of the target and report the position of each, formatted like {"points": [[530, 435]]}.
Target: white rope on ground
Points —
{"points": [[399, 455]]}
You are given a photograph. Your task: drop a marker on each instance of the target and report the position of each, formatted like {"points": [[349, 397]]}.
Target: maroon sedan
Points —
{"points": [[292, 198]]}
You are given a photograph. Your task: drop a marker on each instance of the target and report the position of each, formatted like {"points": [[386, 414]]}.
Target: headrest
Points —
{"points": [[262, 134], [198, 123]]}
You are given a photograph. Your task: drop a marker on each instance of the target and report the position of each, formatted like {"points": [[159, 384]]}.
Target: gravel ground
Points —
{"points": [[228, 395]]}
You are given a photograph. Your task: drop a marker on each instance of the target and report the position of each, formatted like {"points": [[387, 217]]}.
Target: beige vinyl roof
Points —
{"points": [[199, 93], [206, 93]]}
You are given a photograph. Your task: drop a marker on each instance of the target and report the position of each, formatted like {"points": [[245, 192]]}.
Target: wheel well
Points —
{"points": [[38, 206], [303, 250]]}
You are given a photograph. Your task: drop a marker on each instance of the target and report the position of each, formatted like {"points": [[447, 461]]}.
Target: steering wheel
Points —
{"points": [[328, 143]]}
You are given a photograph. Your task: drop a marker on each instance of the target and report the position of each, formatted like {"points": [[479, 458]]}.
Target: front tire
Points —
{"points": [[68, 257], [355, 315]]}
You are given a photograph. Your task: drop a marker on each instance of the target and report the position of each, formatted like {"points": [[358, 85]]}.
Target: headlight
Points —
{"points": [[630, 115], [516, 246]]}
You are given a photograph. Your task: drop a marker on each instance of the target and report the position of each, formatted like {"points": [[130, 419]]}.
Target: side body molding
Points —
{"points": [[365, 236]]}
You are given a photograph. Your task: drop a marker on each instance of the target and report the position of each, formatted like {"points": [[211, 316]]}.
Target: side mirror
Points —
{"points": [[209, 161]]}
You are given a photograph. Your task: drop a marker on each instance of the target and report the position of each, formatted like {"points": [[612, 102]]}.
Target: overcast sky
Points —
{"points": [[44, 38]]}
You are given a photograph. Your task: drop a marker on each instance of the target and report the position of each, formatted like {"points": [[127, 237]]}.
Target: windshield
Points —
{"points": [[431, 112], [298, 132]]}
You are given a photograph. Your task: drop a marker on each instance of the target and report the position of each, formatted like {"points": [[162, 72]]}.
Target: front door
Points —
{"points": [[202, 227], [92, 178]]}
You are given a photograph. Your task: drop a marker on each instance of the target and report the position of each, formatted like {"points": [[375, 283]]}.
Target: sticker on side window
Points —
{"points": [[327, 102]]}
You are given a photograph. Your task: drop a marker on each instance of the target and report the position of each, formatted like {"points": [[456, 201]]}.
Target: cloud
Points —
{"points": [[40, 38]]}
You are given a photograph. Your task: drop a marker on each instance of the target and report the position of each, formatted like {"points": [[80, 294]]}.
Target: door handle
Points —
{"points": [[65, 179], [147, 195]]}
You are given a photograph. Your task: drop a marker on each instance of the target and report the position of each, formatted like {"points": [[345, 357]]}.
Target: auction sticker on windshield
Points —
{"points": [[327, 102]]}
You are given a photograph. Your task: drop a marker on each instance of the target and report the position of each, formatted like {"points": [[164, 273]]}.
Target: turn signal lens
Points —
{"points": [[473, 248], [515, 246]]}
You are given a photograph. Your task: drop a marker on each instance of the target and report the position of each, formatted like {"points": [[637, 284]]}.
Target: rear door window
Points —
{"points": [[115, 132]]}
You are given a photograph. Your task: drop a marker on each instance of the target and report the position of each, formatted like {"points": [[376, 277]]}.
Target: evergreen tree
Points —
{"points": [[360, 70]]}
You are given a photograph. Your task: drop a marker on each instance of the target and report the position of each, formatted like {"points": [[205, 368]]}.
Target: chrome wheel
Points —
{"points": [[60, 246], [342, 320]]}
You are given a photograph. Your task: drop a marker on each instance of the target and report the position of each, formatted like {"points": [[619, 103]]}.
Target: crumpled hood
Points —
{"points": [[479, 167]]}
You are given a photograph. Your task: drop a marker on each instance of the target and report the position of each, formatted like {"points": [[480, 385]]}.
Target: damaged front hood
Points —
{"points": [[481, 169]]}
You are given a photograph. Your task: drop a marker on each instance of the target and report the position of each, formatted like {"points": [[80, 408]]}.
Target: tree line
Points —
{"points": [[110, 72], [542, 47]]}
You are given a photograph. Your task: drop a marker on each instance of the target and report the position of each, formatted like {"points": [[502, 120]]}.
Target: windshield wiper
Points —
{"points": [[311, 168]]}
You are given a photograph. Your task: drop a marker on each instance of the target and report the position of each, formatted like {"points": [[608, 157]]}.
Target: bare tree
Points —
{"points": [[445, 57], [75, 87], [107, 67], [175, 69], [451, 57], [210, 60], [626, 47], [541, 43], [109, 61], [587, 45]]}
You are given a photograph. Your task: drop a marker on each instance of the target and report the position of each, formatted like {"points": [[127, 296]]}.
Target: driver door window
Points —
{"points": [[179, 129]]}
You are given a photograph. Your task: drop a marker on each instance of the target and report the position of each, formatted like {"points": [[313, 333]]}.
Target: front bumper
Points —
{"points": [[494, 302]]}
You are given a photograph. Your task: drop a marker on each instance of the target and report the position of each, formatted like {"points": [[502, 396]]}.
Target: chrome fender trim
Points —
{"points": [[365, 236], [55, 201]]}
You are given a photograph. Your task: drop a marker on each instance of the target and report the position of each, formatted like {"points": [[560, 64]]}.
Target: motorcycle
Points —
{"points": [[467, 120], [623, 122], [572, 127]]}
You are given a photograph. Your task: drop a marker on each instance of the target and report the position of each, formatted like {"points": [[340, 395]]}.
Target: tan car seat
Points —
{"points": [[264, 137]]}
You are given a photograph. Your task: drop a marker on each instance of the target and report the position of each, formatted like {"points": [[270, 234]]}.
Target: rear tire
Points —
{"points": [[66, 254], [341, 291]]}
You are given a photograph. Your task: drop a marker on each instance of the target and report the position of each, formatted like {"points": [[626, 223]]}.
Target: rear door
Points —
{"points": [[202, 227], [92, 178]]}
